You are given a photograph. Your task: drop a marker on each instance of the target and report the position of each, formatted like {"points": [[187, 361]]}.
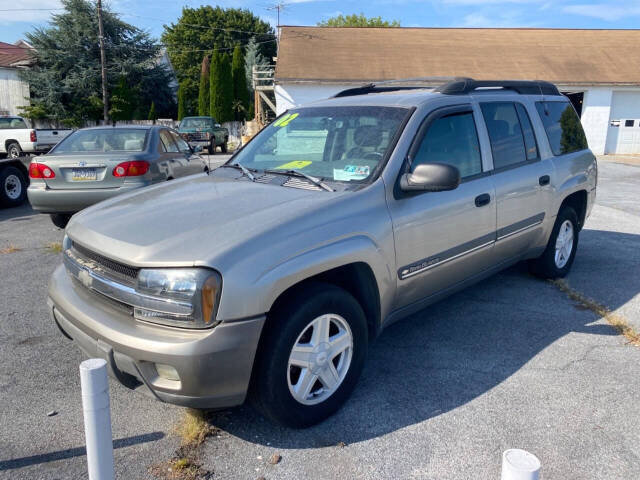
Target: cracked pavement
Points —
{"points": [[509, 363]]}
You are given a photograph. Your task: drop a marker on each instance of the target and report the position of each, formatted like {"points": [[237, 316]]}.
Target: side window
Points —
{"points": [[527, 133], [563, 127], [505, 133], [182, 145], [453, 140], [168, 142]]}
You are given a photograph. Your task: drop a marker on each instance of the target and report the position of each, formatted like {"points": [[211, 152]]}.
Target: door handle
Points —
{"points": [[544, 180], [482, 200]]}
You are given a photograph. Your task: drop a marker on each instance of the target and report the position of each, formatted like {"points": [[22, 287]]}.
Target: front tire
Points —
{"points": [[13, 187], [60, 220], [311, 356], [223, 147], [556, 260], [212, 147]]}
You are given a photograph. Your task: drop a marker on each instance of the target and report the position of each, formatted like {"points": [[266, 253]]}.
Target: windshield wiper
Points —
{"points": [[242, 168], [298, 173]]}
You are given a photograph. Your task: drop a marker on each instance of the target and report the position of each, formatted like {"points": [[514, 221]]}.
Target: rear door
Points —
{"points": [[193, 163], [442, 238], [175, 159], [522, 180]]}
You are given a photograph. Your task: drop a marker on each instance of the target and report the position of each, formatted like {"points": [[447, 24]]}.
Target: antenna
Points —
{"points": [[278, 7]]}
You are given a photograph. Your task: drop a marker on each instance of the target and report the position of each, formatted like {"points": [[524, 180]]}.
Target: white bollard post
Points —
{"points": [[520, 465], [97, 418]]}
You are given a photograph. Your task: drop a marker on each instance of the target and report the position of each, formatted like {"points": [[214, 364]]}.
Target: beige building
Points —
{"points": [[597, 69]]}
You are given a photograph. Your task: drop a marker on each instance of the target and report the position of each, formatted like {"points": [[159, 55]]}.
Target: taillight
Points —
{"points": [[131, 169], [33, 136], [40, 170]]}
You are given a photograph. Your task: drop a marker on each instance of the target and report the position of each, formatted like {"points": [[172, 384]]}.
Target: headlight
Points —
{"points": [[181, 297], [66, 243]]}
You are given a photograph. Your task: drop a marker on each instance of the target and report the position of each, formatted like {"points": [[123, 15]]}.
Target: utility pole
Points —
{"points": [[103, 64], [278, 7]]}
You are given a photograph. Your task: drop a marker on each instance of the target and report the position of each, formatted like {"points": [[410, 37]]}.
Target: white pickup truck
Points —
{"points": [[16, 138]]}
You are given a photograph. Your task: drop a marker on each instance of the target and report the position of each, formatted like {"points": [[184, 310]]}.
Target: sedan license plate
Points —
{"points": [[84, 174]]}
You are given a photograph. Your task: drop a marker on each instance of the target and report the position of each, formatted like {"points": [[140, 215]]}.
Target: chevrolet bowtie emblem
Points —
{"points": [[85, 277]]}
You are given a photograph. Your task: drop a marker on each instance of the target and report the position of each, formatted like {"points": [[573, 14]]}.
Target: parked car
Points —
{"points": [[16, 138], [274, 273], [94, 164], [204, 132]]}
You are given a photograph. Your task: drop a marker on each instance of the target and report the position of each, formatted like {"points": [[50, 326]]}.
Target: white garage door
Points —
{"points": [[623, 136]]}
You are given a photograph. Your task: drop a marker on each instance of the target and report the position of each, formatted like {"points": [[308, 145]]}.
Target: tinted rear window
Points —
{"points": [[563, 127]]}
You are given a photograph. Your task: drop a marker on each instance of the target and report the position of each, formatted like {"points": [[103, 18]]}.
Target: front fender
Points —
{"points": [[258, 297]]}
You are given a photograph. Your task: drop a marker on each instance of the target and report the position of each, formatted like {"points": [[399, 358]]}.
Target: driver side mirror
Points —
{"points": [[431, 177], [217, 125]]}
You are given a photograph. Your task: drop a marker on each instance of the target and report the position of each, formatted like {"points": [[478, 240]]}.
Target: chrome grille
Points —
{"points": [[196, 136], [112, 269]]}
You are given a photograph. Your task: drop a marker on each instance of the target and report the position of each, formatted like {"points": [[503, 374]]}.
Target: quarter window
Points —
{"points": [[453, 140], [167, 141], [563, 127], [509, 130]]}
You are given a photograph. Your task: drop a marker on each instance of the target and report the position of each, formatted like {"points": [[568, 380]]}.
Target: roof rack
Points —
{"points": [[457, 86], [461, 86]]}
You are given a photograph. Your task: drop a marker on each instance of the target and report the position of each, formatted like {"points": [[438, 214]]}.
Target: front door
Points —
{"points": [[442, 238]]}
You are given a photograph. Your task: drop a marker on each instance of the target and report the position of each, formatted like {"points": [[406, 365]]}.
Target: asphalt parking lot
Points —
{"points": [[509, 363]]}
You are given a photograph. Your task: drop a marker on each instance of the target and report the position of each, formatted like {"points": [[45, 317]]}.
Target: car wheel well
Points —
{"points": [[9, 142], [357, 279], [577, 201]]}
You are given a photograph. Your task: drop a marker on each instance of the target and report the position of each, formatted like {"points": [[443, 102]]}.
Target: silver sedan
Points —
{"points": [[94, 164]]}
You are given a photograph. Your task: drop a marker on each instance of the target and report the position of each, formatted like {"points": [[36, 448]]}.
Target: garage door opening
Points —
{"points": [[576, 100]]}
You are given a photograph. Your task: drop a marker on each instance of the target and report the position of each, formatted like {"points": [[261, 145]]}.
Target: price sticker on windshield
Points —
{"points": [[294, 165], [284, 121]]}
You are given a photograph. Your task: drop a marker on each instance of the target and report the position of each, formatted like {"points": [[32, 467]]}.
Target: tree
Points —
{"points": [[240, 91], [65, 83], [203, 94], [152, 113], [221, 83], [123, 101], [355, 20], [181, 102], [198, 29]]}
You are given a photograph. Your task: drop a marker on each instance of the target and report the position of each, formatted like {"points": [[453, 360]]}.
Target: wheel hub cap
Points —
{"points": [[564, 244], [12, 187], [320, 359]]}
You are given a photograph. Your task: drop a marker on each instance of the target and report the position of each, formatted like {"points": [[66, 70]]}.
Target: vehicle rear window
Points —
{"points": [[12, 123], [563, 127], [103, 140]]}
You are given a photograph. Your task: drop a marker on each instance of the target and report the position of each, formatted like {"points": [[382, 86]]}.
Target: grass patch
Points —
{"points": [[53, 247], [179, 469], [616, 320], [9, 249], [194, 428]]}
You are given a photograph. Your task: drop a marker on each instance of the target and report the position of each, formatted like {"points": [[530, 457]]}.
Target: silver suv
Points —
{"points": [[271, 275]]}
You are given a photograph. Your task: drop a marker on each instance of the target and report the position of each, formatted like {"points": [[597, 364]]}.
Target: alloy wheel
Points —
{"points": [[564, 244]]}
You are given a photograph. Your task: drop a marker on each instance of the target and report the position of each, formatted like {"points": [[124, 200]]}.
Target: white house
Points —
{"points": [[14, 92], [599, 70]]}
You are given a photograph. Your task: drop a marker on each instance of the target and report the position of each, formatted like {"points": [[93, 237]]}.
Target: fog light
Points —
{"points": [[167, 372]]}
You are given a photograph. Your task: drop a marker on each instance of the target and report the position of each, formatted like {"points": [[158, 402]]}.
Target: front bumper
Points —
{"points": [[214, 365], [200, 143], [47, 200]]}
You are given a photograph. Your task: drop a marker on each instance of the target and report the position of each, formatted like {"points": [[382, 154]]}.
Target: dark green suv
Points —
{"points": [[204, 132]]}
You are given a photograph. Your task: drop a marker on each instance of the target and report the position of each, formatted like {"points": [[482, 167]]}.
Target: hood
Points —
{"points": [[192, 221]]}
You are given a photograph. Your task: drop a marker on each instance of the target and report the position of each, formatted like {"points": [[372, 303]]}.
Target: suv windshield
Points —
{"points": [[103, 140], [196, 123], [332, 143]]}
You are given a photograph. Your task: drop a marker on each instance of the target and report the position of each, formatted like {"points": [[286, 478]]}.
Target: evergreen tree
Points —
{"points": [[240, 91], [203, 94], [181, 102], [123, 101], [152, 113], [65, 82], [214, 87], [226, 90]]}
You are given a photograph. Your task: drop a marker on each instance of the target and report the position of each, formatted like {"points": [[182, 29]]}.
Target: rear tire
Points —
{"points": [[14, 150], [60, 220], [556, 260], [325, 325], [13, 187]]}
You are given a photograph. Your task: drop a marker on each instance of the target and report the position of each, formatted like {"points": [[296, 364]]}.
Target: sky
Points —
{"points": [[16, 18]]}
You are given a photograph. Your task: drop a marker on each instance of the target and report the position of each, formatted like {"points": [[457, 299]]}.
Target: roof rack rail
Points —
{"points": [[461, 86], [393, 86]]}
